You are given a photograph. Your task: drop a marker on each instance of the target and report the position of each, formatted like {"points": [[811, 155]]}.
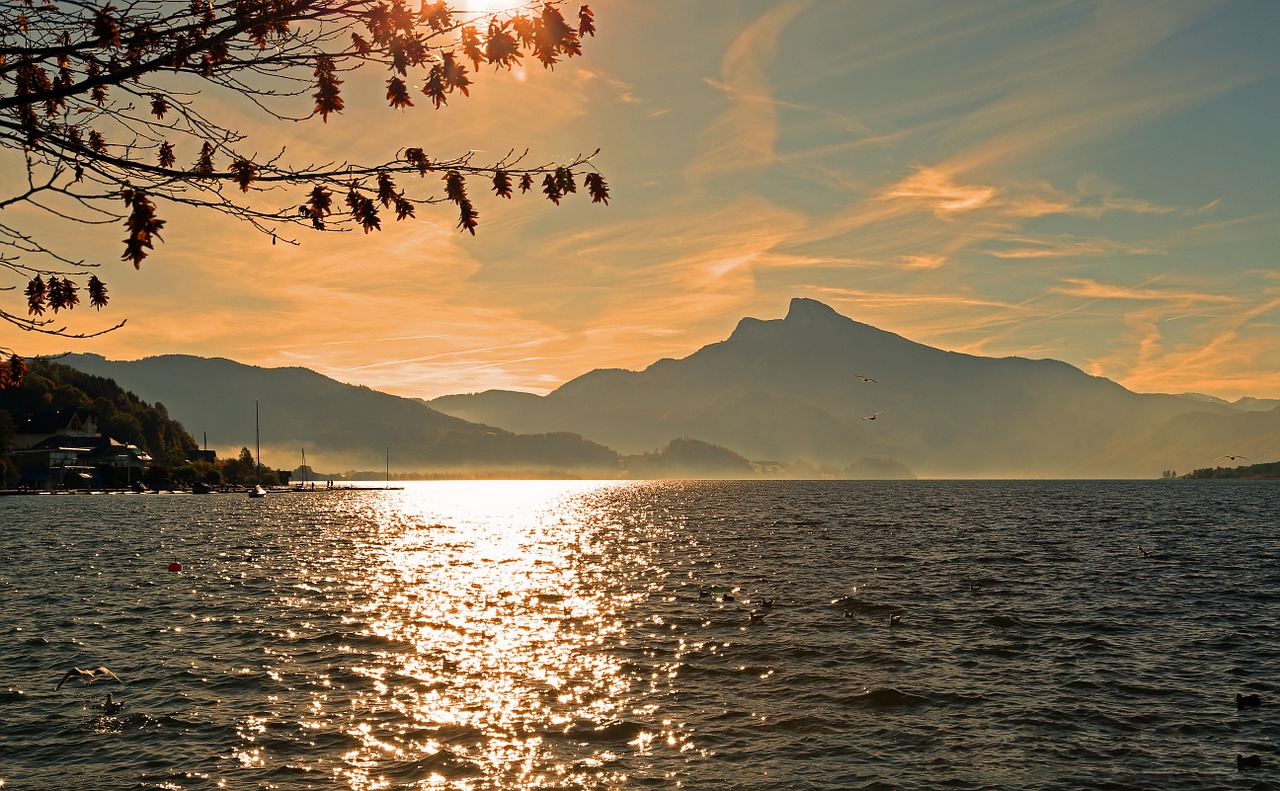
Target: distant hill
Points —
{"points": [[1250, 472], [792, 388], [340, 426], [689, 458]]}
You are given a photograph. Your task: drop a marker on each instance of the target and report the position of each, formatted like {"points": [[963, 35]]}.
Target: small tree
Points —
{"points": [[101, 105]]}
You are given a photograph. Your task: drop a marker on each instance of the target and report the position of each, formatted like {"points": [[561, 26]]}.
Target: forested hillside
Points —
{"points": [[51, 386]]}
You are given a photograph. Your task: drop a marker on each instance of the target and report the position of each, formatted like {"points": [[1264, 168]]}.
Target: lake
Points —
{"points": [[599, 635]]}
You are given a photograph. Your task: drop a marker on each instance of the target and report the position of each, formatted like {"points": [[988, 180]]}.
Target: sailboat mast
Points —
{"points": [[257, 438]]}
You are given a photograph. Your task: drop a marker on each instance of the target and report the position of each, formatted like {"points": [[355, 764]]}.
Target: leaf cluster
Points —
{"points": [[106, 107]]}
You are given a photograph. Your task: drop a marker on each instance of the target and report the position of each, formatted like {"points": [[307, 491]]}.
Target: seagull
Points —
{"points": [[112, 707], [86, 676], [1146, 553], [1230, 457], [895, 620], [873, 417], [865, 378]]}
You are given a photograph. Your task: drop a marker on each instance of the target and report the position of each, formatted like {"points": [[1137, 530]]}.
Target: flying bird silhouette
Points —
{"points": [[86, 676], [873, 417], [1230, 457], [864, 378]]}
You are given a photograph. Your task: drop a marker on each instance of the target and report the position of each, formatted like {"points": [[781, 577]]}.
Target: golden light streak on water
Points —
{"points": [[502, 607]]}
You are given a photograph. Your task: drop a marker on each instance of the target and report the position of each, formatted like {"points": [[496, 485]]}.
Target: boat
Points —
{"points": [[257, 490], [201, 487]]}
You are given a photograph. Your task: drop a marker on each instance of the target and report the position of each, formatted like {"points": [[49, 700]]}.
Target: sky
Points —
{"points": [[1092, 182]]}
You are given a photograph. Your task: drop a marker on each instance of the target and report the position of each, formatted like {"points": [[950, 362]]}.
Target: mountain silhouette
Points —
{"points": [[341, 426], [793, 388]]}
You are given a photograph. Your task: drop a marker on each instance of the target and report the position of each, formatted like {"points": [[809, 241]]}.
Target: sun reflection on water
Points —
{"points": [[495, 614]]}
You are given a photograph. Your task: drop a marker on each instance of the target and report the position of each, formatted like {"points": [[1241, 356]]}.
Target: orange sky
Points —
{"points": [[1094, 183]]}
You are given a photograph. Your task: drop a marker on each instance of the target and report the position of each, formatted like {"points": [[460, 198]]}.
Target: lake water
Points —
{"points": [[513, 635]]}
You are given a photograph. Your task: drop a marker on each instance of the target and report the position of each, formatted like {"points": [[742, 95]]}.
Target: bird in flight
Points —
{"points": [[86, 676], [873, 417], [864, 378], [1230, 457]]}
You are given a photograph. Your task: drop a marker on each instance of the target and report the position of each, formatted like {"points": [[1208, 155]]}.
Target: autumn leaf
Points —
{"points": [[142, 224], [399, 56], [245, 172], [598, 190], [565, 182], [586, 23], [327, 95], [12, 372], [454, 74], [204, 163], [471, 45], [319, 204], [363, 209], [36, 293], [501, 48], [404, 208], [455, 186], [551, 188], [417, 158], [53, 296], [554, 36], [386, 189], [438, 16], [68, 296], [97, 293], [159, 105], [467, 216], [526, 30], [434, 86], [502, 183], [359, 45], [166, 156], [526, 182], [398, 93], [106, 28]]}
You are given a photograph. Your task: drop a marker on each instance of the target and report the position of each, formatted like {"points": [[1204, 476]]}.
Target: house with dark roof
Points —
{"points": [[65, 450]]}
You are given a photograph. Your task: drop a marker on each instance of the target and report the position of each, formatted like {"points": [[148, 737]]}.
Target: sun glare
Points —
{"points": [[487, 6]]}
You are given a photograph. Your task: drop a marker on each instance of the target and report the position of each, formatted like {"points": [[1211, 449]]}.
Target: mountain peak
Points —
{"points": [[804, 311]]}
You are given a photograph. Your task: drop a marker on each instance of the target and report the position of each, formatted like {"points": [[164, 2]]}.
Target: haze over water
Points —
{"points": [[493, 635]]}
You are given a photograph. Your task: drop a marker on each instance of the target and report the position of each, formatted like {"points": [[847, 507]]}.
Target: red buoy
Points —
{"points": [[175, 566]]}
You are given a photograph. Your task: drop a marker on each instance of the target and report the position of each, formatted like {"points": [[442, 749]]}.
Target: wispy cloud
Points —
{"points": [[1094, 290]]}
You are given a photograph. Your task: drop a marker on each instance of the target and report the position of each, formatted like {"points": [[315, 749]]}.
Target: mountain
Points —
{"points": [[792, 388], [341, 426]]}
